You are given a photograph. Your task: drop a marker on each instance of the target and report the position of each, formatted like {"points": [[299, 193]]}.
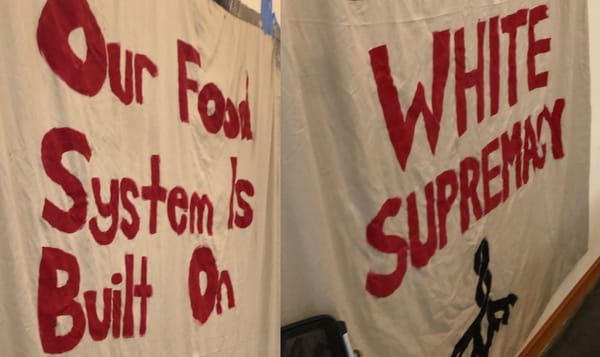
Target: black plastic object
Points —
{"points": [[318, 336]]}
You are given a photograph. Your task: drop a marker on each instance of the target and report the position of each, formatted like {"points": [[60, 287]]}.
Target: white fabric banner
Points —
{"points": [[435, 168], [140, 196]]}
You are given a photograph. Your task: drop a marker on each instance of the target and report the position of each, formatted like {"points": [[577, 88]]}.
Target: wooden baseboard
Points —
{"points": [[563, 312]]}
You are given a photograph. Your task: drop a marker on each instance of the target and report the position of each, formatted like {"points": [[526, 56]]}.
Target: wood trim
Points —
{"points": [[563, 312]]}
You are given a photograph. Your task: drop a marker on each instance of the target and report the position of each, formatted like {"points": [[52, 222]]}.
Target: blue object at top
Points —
{"points": [[268, 18]]}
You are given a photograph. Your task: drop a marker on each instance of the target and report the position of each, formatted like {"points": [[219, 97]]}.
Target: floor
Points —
{"points": [[581, 335]]}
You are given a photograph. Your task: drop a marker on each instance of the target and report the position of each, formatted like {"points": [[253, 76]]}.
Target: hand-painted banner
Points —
{"points": [[140, 200], [431, 146]]}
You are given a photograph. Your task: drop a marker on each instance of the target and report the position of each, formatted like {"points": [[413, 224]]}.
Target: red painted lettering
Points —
{"points": [[494, 63], [123, 92], [490, 201], [465, 79], [420, 253], [445, 180], [55, 301], [54, 144], [154, 193], [110, 209], [203, 303], [177, 199], [215, 110], [511, 155], [186, 53], [143, 62], [554, 120], [382, 285], [469, 179], [536, 47], [129, 228], [210, 93], [239, 187], [58, 19], [510, 26], [401, 128]]}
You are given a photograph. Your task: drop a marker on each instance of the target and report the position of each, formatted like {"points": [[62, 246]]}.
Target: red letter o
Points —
{"points": [[202, 305], [210, 92], [58, 19]]}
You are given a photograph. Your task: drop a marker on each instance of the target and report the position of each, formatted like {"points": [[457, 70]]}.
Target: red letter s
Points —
{"points": [[382, 285], [54, 144]]}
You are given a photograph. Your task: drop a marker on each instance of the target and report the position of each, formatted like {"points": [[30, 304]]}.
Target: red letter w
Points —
{"points": [[400, 129]]}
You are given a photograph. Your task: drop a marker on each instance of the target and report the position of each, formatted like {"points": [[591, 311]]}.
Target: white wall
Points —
{"points": [[594, 198], [594, 13]]}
